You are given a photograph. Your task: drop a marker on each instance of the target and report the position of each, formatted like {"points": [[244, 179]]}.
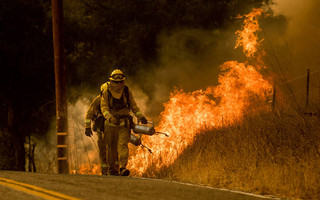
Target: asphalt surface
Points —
{"points": [[112, 187]]}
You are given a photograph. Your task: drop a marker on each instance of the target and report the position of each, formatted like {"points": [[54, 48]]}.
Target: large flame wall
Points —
{"points": [[240, 87]]}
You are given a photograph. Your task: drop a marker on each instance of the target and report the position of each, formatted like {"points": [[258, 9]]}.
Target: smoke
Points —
{"points": [[83, 150], [298, 49], [188, 59], [303, 32], [45, 154]]}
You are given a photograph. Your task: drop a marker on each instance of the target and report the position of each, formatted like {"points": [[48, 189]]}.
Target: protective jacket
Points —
{"points": [[93, 113], [112, 106]]}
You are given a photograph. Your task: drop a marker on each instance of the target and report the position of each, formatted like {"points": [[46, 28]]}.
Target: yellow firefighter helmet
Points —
{"points": [[117, 75]]}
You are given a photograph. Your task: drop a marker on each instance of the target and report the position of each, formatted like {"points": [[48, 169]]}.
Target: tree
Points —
{"points": [[27, 76], [99, 35]]}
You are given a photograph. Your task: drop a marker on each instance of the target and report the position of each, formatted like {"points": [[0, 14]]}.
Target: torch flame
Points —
{"points": [[187, 113]]}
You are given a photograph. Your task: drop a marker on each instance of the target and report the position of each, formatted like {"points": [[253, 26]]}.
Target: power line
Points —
{"points": [[297, 78]]}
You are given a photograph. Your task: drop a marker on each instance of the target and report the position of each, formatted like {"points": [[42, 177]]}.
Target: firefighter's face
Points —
{"points": [[117, 85], [117, 82]]}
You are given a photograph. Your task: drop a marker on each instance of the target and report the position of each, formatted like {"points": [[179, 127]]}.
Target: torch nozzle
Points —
{"points": [[162, 133], [146, 148]]}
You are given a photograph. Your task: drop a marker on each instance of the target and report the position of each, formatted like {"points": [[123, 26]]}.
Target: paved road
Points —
{"points": [[104, 187]]}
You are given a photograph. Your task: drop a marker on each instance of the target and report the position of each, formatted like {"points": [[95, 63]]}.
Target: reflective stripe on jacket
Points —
{"points": [[93, 111]]}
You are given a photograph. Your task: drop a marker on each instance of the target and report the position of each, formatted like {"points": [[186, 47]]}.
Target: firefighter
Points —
{"points": [[95, 116], [116, 103]]}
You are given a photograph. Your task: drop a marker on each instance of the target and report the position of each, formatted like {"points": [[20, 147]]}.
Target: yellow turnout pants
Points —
{"points": [[117, 139], [102, 151]]}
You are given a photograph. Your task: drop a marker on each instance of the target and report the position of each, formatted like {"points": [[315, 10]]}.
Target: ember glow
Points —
{"points": [[241, 87]]}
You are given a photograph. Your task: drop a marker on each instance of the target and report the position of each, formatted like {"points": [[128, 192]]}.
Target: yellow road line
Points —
{"points": [[34, 190]]}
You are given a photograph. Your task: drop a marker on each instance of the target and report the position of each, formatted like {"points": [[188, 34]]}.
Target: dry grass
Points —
{"points": [[270, 153]]}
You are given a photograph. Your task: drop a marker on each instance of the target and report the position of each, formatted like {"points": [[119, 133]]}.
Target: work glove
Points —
{"points": [[88, 132], [115, 121], [143, 120]]}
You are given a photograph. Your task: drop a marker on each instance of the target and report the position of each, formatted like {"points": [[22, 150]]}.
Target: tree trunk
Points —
{"points": [[11, 144]]}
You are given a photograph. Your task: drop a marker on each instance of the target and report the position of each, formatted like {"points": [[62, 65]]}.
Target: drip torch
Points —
{"points": [[146, 129], [137, 141]]}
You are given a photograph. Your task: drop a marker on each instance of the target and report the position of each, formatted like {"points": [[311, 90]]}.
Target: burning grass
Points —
{"points": [[233, 139], [227, 136], [241, 88], [269, 153]]}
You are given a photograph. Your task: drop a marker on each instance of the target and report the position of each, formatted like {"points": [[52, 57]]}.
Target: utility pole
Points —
{"points": [[60, 84]]}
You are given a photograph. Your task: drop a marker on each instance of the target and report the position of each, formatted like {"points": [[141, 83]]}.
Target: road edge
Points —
{"points": [[213, 188]]}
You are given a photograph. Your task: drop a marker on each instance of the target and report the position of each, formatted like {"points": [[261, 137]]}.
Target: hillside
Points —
{"points": [[270, 153]]}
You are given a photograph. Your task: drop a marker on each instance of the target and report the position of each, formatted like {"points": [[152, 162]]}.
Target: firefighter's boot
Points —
{"points": [[124, 172]]}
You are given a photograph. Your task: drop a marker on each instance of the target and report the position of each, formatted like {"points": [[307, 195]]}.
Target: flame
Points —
{"points": [[247, 37], [241, 87], [87, 169]]}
